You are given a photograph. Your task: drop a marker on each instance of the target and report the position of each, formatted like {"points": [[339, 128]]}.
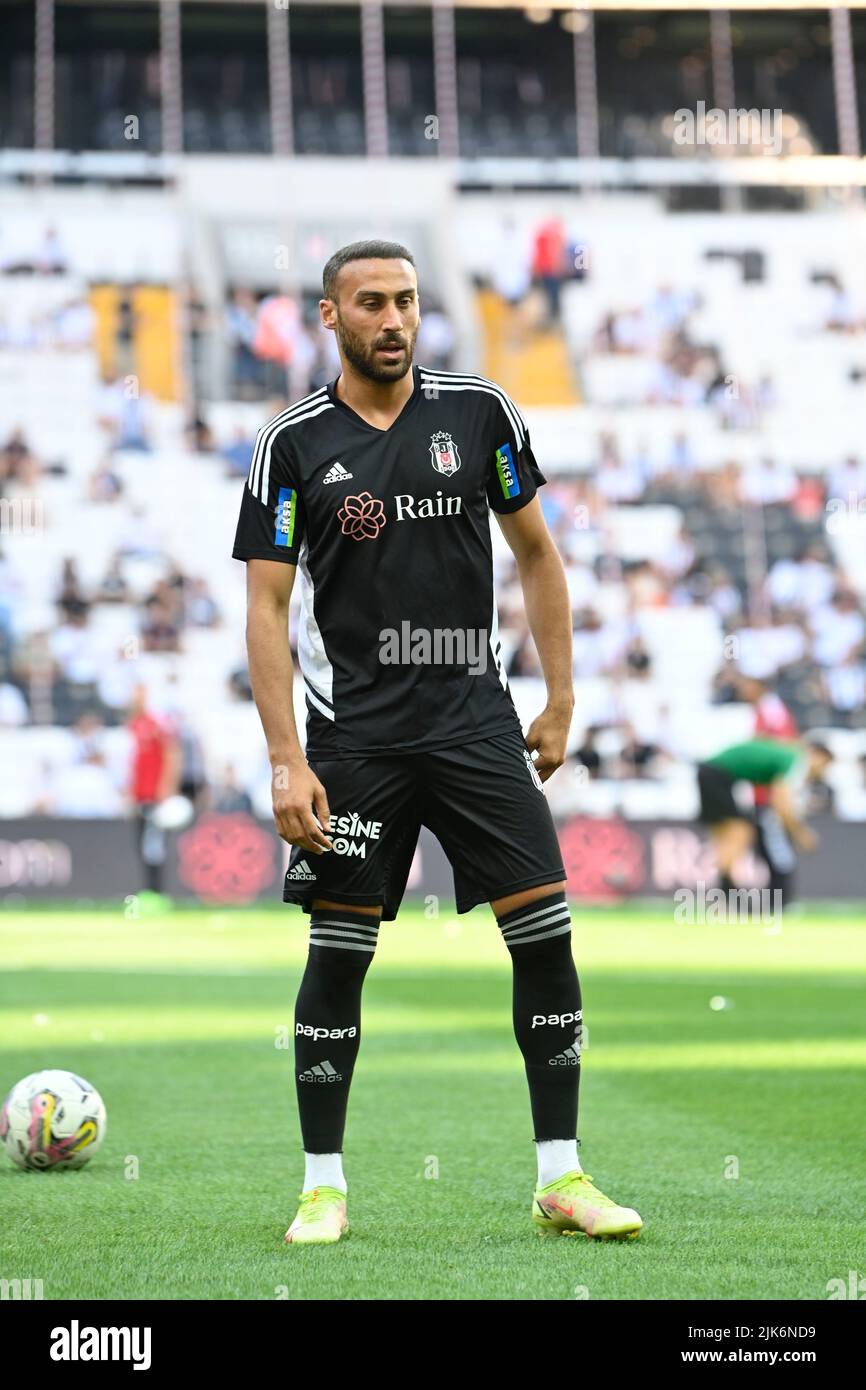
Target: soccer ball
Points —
{"points": [[174, 813], [52, 1119]]}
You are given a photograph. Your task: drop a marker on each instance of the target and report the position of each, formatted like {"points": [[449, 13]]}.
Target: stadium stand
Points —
{"points": [[693, 458]]}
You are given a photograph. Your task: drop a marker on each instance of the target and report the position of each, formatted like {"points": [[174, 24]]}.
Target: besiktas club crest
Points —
{"points": [[443, 453]]}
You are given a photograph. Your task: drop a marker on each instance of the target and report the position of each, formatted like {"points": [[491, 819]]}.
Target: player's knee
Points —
{"points": [[513, 901], [319, 903]]}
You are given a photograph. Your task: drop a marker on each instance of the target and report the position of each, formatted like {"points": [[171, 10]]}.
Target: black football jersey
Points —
{"points": [[390, 530]]}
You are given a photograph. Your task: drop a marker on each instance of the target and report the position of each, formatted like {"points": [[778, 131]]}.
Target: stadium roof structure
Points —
{"points": [[283, 130], [610, 6]]}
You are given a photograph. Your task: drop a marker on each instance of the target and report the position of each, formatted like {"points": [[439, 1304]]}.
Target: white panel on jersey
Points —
{"points": [[317, 670], [495, 644]]}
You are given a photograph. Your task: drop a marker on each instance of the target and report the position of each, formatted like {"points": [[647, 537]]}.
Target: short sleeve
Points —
{"points": [[513, 476], [272, 519]]}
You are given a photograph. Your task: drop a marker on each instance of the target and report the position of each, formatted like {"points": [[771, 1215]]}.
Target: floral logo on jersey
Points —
{"points": [[362, 517], [443, 453]]}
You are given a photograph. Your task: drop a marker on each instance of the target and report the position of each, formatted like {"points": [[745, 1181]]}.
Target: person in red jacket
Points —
{"points": [[549, 263], [153, 777]]}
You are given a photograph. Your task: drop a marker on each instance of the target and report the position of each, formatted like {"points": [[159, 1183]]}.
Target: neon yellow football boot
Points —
{"points": [[321, 1218], [571, 1206]]}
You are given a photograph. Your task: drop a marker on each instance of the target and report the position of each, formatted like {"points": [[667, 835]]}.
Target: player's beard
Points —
{"points": [[363, 356]]}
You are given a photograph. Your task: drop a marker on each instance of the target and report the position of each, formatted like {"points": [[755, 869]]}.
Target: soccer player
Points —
{"points": [[778, 765], [377, 489], [154, 774], [773, 719]]}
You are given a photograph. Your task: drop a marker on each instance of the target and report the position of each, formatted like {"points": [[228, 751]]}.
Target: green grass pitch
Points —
{"points": [[176, 1020]]}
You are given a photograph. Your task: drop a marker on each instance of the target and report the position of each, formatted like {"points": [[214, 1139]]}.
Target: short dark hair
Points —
{"points": [[818, 747], [360, 251]]}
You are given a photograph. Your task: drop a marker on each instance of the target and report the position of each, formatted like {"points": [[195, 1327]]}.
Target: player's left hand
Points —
{"points": [[548, 734]]}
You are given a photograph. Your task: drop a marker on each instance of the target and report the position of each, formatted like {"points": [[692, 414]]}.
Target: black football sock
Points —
{"points": [[547, 1011], [328, 1022]]}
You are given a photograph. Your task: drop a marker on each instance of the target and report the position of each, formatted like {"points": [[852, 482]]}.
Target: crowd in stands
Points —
{"points": [[799, 628], [276, 337], [805, 624]]}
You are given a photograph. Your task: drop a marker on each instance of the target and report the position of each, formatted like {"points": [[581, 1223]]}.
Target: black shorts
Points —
{"points": [[716, 788], [482, 800]]}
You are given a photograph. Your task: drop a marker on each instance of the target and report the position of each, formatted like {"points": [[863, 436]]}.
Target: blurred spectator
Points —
{"points": [[848, 482], [69, 594], [125, 413], [841, 314], [239, 684], [140, 536], [200, 608], [637, 660], [13, 707], [549, 267], [113, 587], [838, 630], [598, 646], [680, 462], [75, 325], [435, 339], [587, 755], [18, 463], [618, 481], [845, 690], [635, 757], [510, 269], [126, 326], [153, 777], [239, 453], [105, 483], [278, 327], [228, 796], [679, 556], [248, 378], [51, 257], [160, 631], [11, 592], [768, 483], [804, 583], [84, 790], [192, 777], [199, 435], [76, 649]]}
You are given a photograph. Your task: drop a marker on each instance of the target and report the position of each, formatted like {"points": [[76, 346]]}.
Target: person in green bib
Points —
{"points": [[779, 765]]}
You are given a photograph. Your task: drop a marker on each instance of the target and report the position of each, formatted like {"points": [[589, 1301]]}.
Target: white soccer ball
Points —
{"points": [[52, 1119], [175, 813]]}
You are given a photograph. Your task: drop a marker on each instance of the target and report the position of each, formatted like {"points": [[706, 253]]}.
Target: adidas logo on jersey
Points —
{"points": [[337, 474], [301, 870], [322, 1072]]}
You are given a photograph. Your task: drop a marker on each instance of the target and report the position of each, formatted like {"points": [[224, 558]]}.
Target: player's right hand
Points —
{"points": [[301, 813]]}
